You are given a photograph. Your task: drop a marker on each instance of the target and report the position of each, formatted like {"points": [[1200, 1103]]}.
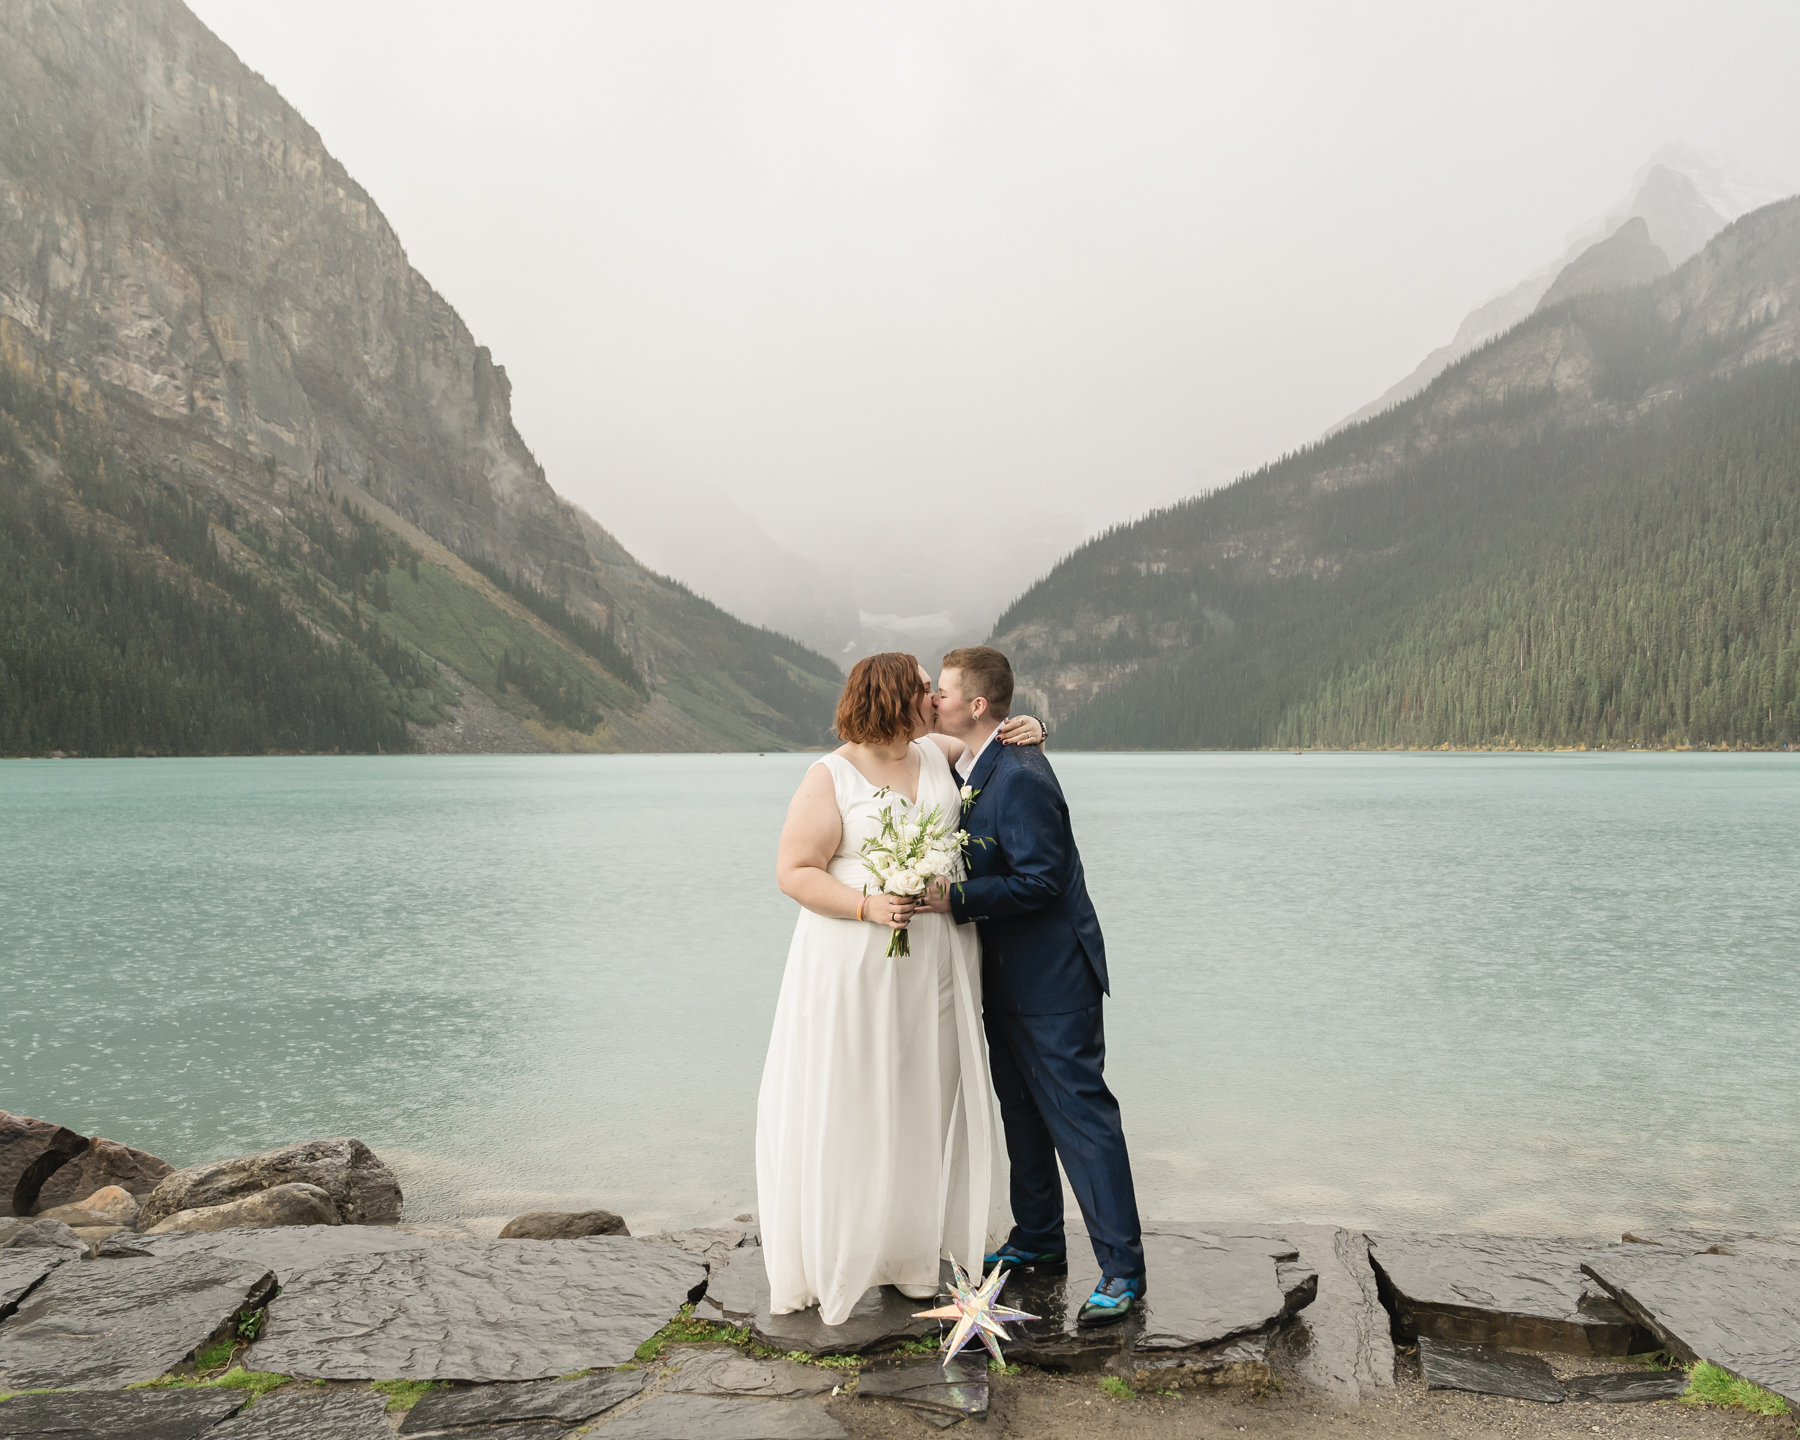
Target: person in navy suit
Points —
{"points": [[1043, 977]]}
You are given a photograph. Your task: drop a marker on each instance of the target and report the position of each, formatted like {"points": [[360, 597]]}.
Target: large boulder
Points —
{"points": [[563, 1225], [103, 1164], [110, 1205], [363, 1189], [44, 1166], [265, 1210], [30, 1151]]}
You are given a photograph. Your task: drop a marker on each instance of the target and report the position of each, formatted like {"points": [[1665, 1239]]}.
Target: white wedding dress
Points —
{"points": [[877, 1149]]}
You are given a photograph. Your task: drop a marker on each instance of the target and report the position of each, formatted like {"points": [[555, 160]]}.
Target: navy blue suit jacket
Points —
{"points": [[1041, 951]]}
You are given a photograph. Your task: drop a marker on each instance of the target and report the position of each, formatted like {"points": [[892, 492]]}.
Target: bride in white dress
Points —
{"points": [[877, 1149]]}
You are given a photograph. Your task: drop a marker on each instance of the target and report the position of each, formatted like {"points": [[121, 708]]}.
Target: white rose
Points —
{"points": [[906, 882], [968, 793]]}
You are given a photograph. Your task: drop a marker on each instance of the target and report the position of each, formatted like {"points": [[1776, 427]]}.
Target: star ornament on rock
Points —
{"points": [[977, 1313]]}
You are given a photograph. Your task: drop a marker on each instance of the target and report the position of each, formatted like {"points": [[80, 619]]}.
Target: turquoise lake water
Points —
{"points": [[1537, 993]]}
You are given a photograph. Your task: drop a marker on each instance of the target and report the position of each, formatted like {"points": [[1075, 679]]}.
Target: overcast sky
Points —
{"points": [[990, 267]]}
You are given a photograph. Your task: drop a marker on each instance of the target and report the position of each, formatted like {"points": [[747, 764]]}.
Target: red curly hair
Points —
{"points": [[878, 699]]}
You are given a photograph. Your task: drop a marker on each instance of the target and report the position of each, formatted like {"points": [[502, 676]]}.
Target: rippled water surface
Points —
{"points": [[1538, 993]]}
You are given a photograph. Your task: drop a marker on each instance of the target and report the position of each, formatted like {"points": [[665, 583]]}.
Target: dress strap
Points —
{"points": [[843, 774]]}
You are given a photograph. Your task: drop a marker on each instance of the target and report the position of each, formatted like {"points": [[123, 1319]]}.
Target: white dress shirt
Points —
{"points": [[965, 767]]}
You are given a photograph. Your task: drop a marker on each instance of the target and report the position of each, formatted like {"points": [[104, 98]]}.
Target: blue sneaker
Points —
{"points": [[1112, 1302], [1043, 1262]]}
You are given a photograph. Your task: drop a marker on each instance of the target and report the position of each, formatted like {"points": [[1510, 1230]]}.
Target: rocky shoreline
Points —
{"points": [[293, 1271]]}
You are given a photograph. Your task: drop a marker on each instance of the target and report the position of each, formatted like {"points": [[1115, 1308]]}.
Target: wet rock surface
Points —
{"points": [[30, 1152], [1495, 1290], [727, 1372], [363, 1189], [1742, 1312], [563, 1225], [99, 1326], [713, 1243], [1207, 1285], [1236, 1362], [1449, 1365], [21, 1270], [483, 1310], [570, 1401], [291, 1204], [959, 1389], [303, 1414], [1342, 1344], [1623, 1389], [739, 1295], [119, 1415], [43, 1234], [284, 1250], [703, 1417], [103, 1164]]}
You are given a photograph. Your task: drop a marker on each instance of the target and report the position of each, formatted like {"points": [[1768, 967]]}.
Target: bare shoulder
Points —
{"points": [[819, 779], [951, 749]]}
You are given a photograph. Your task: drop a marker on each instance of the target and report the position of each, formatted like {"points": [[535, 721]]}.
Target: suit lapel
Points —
{"points": [[984, 765]]}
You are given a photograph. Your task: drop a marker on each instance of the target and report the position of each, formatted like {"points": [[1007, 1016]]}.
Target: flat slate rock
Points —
{"points": [[571, 1401], [960, 1389], [482, 1310], [1342, 1344], [100, 1326], [20, 1270], [1484, 1371], [285, 1250], [739, 1295], [118, 1415], [704, 1417], [712, 1243], [1497, 1290], [727, 1372], [1208, 1284], [302, 1413], [530, 1430], [1742, 1312], [1619, 1389]]}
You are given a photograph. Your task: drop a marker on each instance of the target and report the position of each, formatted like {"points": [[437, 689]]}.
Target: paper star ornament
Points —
{"points": [[976, 1311]]}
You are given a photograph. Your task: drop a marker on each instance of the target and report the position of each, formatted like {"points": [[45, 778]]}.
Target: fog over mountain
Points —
{"points": [[1682, 197], [784, 288]]}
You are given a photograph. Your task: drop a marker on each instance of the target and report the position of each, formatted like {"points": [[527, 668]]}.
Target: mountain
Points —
{"points": [[1684, 196], [206, 322], [1625, 258], [1585, 532]]}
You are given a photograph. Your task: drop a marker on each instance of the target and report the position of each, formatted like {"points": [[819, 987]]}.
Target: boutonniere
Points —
{"points": [[969, 792]]}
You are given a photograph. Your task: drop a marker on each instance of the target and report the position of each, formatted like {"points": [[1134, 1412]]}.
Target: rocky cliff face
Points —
{"points": [[1155, 591], [176, 240], [170, 225], [1683, 196], [1626, 257]]}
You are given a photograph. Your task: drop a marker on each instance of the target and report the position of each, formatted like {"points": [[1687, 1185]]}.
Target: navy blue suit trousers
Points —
{"points": [[1053, 1101], [1043, 976]]}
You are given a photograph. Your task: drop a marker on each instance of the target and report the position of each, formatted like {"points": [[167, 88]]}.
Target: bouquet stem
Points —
{"points": [[901, 944]]}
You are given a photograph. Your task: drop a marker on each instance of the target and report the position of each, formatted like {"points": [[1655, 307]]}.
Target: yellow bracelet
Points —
{"points": [[859, 906]]}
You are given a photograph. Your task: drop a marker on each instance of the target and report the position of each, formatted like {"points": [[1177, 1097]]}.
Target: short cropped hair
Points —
{"points": [[877, 706], [985, 672]]}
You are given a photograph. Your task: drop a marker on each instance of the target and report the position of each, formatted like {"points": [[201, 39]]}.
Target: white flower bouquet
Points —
{"points": [[908, 853]]}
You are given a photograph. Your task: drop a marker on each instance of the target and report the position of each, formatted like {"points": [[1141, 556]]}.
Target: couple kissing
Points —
{"points": [[877, 1152]]}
